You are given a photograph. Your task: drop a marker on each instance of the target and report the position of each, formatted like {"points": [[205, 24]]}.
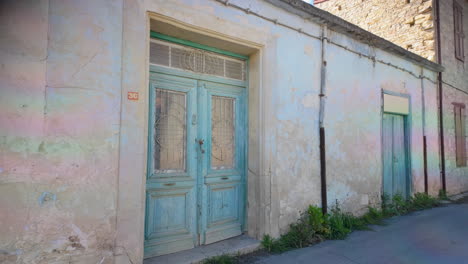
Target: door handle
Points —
{"points": [[200, 144], [224, 178]]}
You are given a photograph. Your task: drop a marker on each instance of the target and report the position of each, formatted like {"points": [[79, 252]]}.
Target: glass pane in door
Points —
{"points": [[170, 131], [222, 132]]}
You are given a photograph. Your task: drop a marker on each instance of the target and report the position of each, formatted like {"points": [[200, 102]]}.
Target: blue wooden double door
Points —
{"points": [[395, 156], [195, 182]]}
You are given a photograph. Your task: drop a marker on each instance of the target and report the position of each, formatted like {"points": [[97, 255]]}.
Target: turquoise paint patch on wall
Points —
{"points": [[47, 197]]}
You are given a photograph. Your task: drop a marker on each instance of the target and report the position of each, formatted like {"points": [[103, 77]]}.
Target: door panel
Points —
{"points": [[170, 131], [222, 132], [395, 170], [170, 223], [399, 156], [387, 149], [223, 211], [196, 162], [168, 212], [223, 168], [223, 200]]}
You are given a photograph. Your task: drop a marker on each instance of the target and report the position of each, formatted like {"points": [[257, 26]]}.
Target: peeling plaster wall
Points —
{"points": [[456, 177], [432, 135], [353, 123], [455, 89], [133, 139], [290, 72], [60, 98], [73, 153], [296, 102], [287, 180], [410, 24]]}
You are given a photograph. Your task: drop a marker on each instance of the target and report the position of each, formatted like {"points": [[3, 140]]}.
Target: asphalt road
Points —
{"points": [[438, 235]]}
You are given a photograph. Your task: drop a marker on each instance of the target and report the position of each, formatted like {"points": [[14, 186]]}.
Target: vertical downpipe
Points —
{"points": [[426, 184], [323, 165], [441, 117]]}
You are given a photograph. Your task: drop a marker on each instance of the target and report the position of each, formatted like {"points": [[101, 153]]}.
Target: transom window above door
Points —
{"points": [[195, 60]]}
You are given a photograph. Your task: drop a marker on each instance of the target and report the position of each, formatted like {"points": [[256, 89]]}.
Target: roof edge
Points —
{"points": [[308, 11], [319, 1]]}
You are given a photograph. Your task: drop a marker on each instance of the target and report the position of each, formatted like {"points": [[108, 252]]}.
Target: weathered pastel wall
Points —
{"points": [[353, 122], [284, 102], [73, 160], [455, 89], [409, 24], [60, 97]]}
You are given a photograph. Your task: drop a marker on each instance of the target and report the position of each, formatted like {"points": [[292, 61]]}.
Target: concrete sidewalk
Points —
{"points": [[438, 235]]}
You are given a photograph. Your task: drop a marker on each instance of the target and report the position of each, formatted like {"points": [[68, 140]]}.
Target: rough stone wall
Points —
{"points": [[59, 128], [456, 71], [455, 89], [408, 24]]}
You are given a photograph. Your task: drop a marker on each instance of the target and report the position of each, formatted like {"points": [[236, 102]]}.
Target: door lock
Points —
{"points": [[200, 143]]}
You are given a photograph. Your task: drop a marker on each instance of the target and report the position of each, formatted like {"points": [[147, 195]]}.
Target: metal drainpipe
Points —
{"points": [[323, 165], [441, 117], [426, 184]]}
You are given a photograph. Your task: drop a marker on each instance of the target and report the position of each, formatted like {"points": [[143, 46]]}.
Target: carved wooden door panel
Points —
{"points": [[195, 184], [222, 167], [171, 195]]}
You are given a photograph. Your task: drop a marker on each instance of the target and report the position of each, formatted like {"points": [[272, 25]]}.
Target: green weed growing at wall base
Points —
{"points": [[313, 226]]}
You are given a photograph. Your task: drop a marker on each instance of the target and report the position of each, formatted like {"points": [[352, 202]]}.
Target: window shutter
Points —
{"points": [[455, 34], [456, 111], [462, 137], [458, 31], [462, 35]]}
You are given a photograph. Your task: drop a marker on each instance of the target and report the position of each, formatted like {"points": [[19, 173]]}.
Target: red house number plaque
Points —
{"points": [[132, 96]]}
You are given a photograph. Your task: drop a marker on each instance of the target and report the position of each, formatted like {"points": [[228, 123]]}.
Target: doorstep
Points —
{"points": [[233, 246]]}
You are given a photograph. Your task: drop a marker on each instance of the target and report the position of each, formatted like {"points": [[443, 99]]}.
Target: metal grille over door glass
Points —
{"points": [[170, 131], [222, 132]]}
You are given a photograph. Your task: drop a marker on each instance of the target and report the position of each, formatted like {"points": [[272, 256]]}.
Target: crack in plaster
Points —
{"points": [[86, 63]]}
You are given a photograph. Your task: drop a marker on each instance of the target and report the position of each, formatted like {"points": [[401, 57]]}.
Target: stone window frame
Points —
{"points": [[460, 134], [458, 31]]}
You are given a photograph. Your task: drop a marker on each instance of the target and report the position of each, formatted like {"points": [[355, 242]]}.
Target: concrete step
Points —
{"points": [[234, 246]]}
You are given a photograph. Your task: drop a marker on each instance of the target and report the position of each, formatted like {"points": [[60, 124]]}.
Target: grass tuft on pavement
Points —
{"points": [[313, 226]]}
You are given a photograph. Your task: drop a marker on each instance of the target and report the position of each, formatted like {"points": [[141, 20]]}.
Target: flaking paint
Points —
{"points": [[70, 133]]}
